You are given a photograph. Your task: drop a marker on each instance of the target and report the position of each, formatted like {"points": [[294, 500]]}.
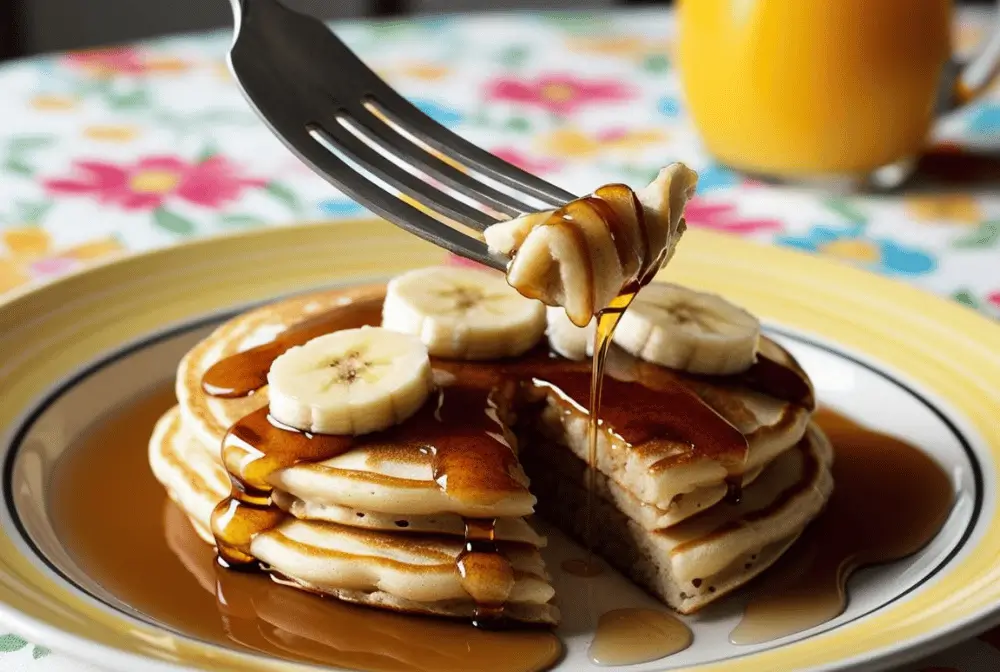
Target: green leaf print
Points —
{"points": [[514, 57], [844, 208], [9, 643], [242, 221], [29, 142], [173, 222], [28, 212], [574, 23], [283, 194], [39, 652], [17, 166], [519, 124], [966, 298], [128, 101], [656, 63], [987, 235]]}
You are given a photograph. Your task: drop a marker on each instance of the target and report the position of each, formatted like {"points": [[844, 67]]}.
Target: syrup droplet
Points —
{"points": [[583, 567], [633, 636]]}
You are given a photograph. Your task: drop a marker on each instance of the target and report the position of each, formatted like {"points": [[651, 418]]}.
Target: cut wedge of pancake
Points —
{"points": [[710, 554], [398, 570]]}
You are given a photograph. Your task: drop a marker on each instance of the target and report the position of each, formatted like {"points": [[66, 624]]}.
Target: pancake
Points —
{"points": [[193, 480], [398, 570], [708, 555], [507, 529], [198, 483]]}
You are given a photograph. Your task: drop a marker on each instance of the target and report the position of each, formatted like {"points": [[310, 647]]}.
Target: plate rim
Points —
{"points": [[908, 649]]}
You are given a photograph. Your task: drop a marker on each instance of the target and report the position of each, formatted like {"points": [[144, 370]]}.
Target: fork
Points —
{"points": [[357, 132]]}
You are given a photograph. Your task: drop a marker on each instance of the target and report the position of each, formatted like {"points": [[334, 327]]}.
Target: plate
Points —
{"points": [[888, 355]]}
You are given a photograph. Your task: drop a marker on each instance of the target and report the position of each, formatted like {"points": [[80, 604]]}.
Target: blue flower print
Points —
{"points": [[340, 207], [440, 113], [716, 177], [850, 244], [984, 120], [669, 106]]}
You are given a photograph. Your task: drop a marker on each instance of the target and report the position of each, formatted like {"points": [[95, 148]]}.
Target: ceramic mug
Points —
{"points": [[807, 89]]}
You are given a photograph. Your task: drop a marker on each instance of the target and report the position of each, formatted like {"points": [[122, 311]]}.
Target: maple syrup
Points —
{"points": [[889, 500], [585, 568], [132, 540], [633, 636]]}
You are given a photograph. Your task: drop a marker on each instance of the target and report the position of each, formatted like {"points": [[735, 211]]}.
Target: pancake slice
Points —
{"points": [[417, 568], [708, 555], [507, 529]]}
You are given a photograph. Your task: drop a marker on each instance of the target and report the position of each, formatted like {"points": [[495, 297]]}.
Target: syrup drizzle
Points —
{"points": [[607, 320], [253, 449], [481, 559], [889, 500], [244, 373]]}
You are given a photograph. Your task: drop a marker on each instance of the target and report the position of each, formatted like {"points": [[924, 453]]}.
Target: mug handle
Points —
{"points": [[964, 82]]}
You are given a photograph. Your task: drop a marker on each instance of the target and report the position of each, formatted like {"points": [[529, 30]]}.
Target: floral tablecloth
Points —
{"points": [[141, 146]]}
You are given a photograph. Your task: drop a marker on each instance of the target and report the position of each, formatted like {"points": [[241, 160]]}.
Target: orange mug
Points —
{"points": [[807, 89]]}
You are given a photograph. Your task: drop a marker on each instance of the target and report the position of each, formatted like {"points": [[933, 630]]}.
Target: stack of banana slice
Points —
{"points": [[446, 358]]}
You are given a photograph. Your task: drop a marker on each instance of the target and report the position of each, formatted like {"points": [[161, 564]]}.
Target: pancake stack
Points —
{"points": [[704, 477], [372, 525]]}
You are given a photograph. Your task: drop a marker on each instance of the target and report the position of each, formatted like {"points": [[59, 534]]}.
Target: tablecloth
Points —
{"points": [[141, 146]]}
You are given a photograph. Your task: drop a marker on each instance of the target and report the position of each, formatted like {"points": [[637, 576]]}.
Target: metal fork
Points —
{"points": [[342, 120]]}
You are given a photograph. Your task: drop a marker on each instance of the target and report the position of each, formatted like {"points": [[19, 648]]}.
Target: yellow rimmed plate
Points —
{"points": [[891, 356]]}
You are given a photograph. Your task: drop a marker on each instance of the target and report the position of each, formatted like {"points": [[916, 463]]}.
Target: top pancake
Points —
{"points": [[390, 477]]}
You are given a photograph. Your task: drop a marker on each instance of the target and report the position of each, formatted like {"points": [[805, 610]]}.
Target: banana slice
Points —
{"points": [[567, 339], [582, 255], [354, 381], [463, 313], [688, 330]]}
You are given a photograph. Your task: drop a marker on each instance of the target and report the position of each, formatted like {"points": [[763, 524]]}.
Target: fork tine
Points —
{"points": [[388, 205], [260, 19], [407, 116], [393, 142], [414, 187]]}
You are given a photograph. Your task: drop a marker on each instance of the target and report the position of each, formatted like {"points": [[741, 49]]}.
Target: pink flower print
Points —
{"points": [[524, 161], [53, 266], [120, 60], [123, 61], [994, 299], [148, 183], [560, 94], [725, 217]]}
